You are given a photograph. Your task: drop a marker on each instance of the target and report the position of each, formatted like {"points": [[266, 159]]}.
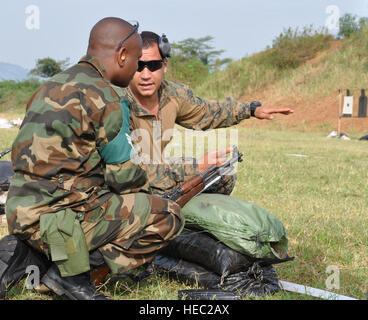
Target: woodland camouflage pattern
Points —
{"points": [[57, 166], [179, 105]]}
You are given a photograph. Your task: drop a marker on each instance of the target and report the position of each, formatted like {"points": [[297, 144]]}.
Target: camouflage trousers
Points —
{"points": [[129, 229]]}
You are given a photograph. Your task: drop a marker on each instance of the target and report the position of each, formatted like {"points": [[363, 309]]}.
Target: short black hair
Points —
{"points": [[149, 39]]}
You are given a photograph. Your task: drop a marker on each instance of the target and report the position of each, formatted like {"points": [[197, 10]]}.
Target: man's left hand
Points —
{"points": [[217, 157], [267, 112]]}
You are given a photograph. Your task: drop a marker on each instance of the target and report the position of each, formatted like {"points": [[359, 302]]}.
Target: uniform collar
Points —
{"points": [[138, 110], [98, 66], [95, 63]]}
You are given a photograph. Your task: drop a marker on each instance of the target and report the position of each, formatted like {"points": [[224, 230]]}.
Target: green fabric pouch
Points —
{"points": [[119, 149], [66, 240], [243, 226]]}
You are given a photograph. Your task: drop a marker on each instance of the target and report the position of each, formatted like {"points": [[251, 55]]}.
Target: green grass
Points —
{"points": [[321, 200], [292, 48], [15, 95], [6, 139]]}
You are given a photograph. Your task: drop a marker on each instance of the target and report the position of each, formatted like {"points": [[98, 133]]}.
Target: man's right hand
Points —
{"points": [[267, 112]]}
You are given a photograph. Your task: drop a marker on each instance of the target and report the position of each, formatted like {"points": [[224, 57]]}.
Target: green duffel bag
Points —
{"points": [[242, 226]]}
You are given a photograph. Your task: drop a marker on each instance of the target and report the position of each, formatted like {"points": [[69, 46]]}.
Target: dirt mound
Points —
{"points": [[334, 45], [314, 114], [317, 114]]}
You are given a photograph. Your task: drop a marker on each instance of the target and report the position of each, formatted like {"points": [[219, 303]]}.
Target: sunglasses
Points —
{"points": [[152, 65], [134, 30]]}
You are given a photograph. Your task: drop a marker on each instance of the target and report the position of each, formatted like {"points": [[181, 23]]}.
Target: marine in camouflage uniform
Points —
{"points": [[178, 105], [63, 173], [154, 114], [157, 105]]}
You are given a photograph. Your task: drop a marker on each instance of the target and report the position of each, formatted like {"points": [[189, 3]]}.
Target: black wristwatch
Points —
{"points": [[253, 106]]}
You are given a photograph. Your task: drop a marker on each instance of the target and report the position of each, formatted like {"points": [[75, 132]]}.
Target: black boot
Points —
{"points": [[79, 287], [96, 259], [15, 257]]}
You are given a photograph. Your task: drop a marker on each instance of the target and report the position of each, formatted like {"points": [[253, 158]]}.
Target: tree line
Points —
{"points": [[192, 60]]}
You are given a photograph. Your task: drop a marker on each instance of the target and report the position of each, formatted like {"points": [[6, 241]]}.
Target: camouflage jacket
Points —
{"points": [[178, 105], [56, 154]]}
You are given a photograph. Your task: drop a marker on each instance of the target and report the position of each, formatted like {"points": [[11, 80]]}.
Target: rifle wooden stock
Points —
{"points": [[192, 191], [98, 275], [191, 183]]}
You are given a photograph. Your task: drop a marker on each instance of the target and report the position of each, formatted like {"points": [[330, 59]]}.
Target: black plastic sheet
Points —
{"points": [[204, 250], [196, 257], [256, 281], [185, 271]]}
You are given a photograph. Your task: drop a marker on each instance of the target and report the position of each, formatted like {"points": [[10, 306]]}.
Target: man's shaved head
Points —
{"points": [[118, 46], [107, 34]]}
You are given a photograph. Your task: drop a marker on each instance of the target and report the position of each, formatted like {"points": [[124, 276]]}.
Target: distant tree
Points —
{"points": [[48, 67], [200, 49], [221, 63], [363, 23], [192, 60], [190, 71], [348, 24]]}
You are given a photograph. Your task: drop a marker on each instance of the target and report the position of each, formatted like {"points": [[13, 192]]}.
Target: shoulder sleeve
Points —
{"points": [[121, 174], [57, 133], [119, 149], [201, 114]]}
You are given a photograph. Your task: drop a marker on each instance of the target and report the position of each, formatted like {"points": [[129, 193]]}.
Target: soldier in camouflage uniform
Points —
{"points": [[76, 189], [157, 105]]}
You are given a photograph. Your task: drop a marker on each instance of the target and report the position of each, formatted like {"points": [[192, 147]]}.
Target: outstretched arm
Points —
{"points": [[267, 112]]}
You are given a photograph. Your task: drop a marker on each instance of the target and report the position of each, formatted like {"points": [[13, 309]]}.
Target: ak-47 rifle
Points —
{"points": [[5, 152], [186, 191], [201, 182], [4, 183]]}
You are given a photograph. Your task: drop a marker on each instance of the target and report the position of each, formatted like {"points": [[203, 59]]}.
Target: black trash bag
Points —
{"points": [[6, 172], [364, 138], [256, 281], [185, 271], [201, 248]]}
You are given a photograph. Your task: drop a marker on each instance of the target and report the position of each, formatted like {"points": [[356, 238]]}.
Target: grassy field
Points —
{"points": [[321, 198], [316, 186]]}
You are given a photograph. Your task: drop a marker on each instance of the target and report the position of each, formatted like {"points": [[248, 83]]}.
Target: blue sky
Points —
{"points": [[241, 27]]}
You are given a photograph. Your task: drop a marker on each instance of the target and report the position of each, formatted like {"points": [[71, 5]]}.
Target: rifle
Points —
{"points": [[200, 183], [5, 152], [186, 191]]}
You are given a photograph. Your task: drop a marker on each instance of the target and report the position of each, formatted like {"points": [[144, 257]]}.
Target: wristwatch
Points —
{"points": [[253, 106]]}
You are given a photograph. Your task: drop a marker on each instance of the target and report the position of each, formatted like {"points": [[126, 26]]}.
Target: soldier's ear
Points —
{"points": [[121, 56], [165, 65]]}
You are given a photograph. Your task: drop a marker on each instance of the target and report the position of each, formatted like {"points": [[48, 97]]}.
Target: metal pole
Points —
{"points": [[339, 114]]}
